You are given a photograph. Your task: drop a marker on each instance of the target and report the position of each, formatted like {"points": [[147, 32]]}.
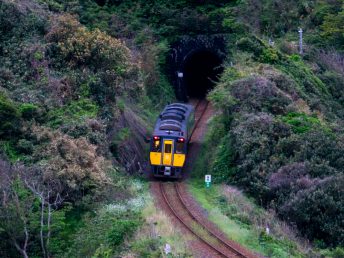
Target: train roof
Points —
{"points": [[173, 120]]}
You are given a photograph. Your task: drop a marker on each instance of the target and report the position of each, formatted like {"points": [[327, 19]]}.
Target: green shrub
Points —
{"points": [[75, 111], [79, 46], [254, 137], [223, 167], [14, 22], [274, 18], [295, 57], [251, 93], [334, 81], [319, 211], [74, 162], [119, 139], [158, 88], [307, 83], [231, 74], [104, 233], [230, 23], [333, 28], [300, 122], [24, 146], [250, 45], [269, 55], [334, 253], [323, 9], [147, 248], [233, 212], [9, 117], [221, 98], [9, 148], [97, 49], [61, 5], [119, 230], [28, 111]]}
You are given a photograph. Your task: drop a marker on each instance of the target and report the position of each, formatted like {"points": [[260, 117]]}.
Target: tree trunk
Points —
{"points": [[42, 225]]}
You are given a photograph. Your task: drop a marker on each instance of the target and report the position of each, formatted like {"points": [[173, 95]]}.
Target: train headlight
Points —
{"points": [[181, 140]]}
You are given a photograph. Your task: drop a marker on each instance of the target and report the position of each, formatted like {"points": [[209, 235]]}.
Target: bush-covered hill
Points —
{"points": [[281, 134], [81, 81], [71, 101]]}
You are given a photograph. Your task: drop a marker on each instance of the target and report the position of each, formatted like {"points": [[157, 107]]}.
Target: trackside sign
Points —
{"points": [[207, 180]]}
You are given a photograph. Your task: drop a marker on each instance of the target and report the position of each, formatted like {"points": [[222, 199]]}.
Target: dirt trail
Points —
{"points": [[201, 118]]}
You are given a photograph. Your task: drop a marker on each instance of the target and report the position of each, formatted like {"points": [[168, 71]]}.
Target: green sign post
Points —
{"points": [[207, 180]]}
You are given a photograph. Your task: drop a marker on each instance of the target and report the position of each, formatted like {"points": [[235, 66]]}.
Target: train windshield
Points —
{"points": [[156, 146], [179, 147]]}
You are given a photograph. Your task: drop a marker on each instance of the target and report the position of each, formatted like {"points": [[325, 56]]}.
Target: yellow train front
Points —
{"points": [[169, 144]]}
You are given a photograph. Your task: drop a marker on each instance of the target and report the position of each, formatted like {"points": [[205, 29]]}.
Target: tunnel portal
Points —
{"points": [[201, 71], [195, 64]]}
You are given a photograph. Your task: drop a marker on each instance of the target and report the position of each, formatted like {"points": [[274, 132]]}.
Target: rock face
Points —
{"points": [[185, 49]]}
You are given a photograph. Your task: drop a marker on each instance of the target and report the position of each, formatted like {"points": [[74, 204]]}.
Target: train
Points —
{"points": [[170, 139]]}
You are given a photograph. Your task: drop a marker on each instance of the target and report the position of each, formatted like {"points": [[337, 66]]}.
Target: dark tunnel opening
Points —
{"points": [[201, 71]]}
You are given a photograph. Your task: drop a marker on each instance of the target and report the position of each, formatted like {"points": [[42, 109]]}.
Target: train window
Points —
{"points": [[180, 147], [156, 146], [168, 148], [170, 127]]}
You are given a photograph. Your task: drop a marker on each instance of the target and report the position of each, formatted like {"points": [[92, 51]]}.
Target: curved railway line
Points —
{"points": [[172, 196], [173, 199]]}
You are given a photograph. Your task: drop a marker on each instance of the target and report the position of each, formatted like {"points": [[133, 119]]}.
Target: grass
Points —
{"points": [[300, 122], [104, 230], [76, 111], [9, 149], [156, 232], [239, 219]]}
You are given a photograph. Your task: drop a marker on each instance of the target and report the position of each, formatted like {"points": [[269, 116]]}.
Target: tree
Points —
{"points": [[16, 208], [333, 28], [27, 205], [48, 193]]}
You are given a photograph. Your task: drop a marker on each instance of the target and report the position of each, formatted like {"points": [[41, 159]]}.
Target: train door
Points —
{"points": [[167, 153]]}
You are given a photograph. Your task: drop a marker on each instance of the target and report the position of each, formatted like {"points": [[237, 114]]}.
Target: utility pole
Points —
{"points": [[300, 41]]}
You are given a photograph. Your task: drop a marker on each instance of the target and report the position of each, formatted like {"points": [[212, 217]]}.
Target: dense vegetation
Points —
{"points": [[69, 133], [76, 75], [281, 136]]}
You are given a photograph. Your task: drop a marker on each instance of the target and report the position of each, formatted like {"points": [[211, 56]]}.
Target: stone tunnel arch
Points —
{"points": [[195, 64]]}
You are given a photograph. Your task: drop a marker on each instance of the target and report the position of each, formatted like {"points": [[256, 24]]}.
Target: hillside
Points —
{"points": [[82, 82]]}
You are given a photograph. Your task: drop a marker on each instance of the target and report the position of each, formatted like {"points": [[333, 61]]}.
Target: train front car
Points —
{"points": [[169, 143]]}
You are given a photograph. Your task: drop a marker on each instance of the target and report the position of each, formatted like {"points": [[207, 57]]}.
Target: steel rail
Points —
{"points": [[219, 238], [217, 250]]}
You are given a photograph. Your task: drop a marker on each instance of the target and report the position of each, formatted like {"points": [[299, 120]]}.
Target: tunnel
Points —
{"points": [[201, 70]]}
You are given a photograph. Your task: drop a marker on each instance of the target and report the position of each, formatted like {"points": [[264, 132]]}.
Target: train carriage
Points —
{"points": [[169, 144]]}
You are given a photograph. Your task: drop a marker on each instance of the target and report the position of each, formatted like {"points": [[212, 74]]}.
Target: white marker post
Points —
{"points": [[207, 180], [167, 249], [300, 41]]}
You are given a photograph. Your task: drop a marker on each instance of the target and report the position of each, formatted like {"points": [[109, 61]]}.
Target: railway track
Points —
{"points": [[176, 204], [200, 109], [173, 198]]}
